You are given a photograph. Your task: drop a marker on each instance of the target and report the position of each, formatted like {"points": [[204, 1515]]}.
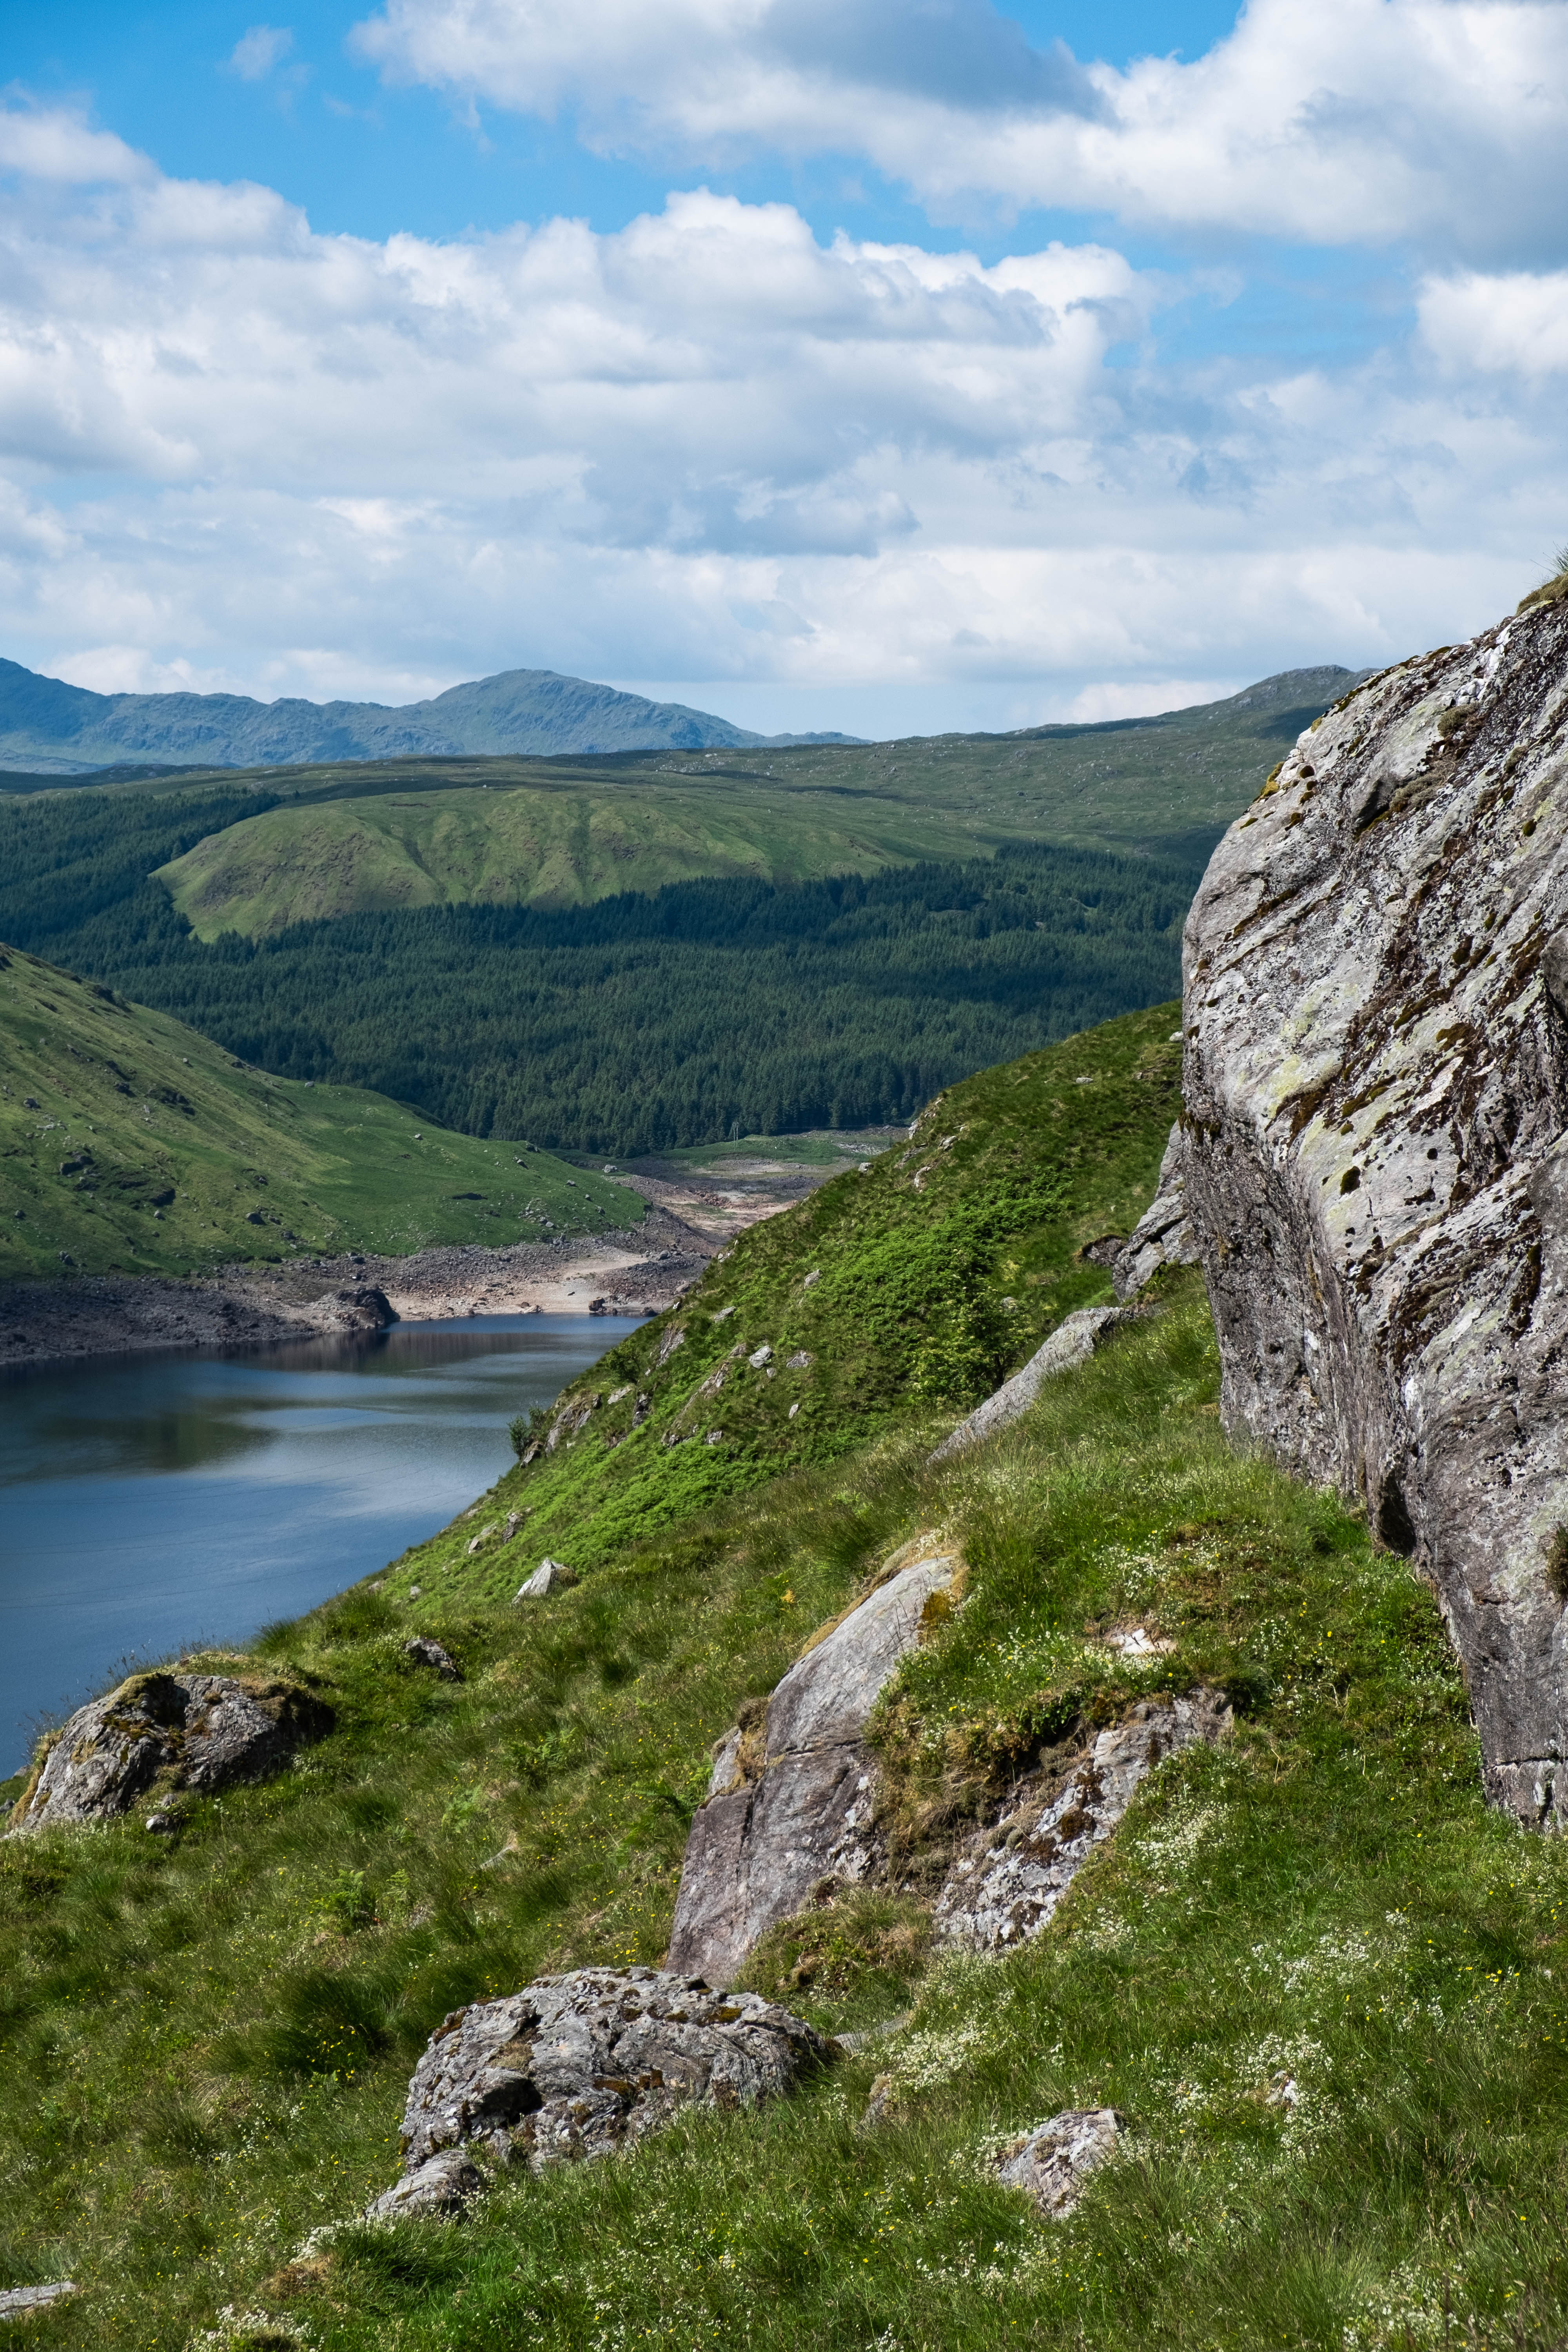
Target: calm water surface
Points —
{"points": [[151, 1502]]}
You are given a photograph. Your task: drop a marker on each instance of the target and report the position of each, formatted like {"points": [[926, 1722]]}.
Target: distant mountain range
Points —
{"points": [[49, 728]]}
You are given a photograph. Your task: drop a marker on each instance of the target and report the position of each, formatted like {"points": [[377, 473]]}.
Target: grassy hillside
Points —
{"points": [[1322, 1985], [1170, 783], [126, 1142], [633, 1025], [915, 1286], [566, 833], [538, 847]]}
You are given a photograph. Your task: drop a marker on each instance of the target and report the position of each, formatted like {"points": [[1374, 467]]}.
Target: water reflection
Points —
{"points": [[153, 1501]]}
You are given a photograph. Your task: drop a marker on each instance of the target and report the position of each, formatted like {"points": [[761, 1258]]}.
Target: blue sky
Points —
{"points": [[361, 156], [887, 364]]}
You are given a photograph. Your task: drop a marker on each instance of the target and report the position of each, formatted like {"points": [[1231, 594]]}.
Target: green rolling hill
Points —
{"points": [[539, 846], [318, 840], [352, 838], [130, 1143]]}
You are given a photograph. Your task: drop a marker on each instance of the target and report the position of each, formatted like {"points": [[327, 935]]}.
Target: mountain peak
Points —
{"points": [[51, 728]]}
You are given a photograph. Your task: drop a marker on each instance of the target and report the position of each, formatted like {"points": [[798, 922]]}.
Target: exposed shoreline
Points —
{"points": [[637, 1271], [692, 1213]]}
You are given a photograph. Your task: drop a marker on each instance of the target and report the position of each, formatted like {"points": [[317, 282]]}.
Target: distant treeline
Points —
{"points": [[708, 1009]]}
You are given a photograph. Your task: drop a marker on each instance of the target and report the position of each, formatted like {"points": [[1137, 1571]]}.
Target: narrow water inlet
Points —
{"points": [[151, 1502]]}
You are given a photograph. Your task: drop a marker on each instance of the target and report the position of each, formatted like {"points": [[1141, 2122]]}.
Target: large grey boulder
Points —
{"points": [[792, 1797], [1006, 1886], [576, 2067], [176, 1730], [1375, 1150], [1073, 1341]]}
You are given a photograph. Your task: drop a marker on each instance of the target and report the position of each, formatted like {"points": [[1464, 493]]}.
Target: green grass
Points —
{"points": [[205, 2049], [206, 2042], [129, 1142], [821, 1148], [539, 847], [924, 1281]]}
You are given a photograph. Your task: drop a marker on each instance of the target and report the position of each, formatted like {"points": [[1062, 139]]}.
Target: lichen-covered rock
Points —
{"points": [[1073, 1341], [574, 2066], [174, 1730], [1052, 2162], [1007, 1883], [1164, 1234], [428, 1653], [1375, 1146], [792, 1797]]}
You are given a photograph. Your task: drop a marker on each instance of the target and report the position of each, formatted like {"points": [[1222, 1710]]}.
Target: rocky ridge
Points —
{"points": [[1007, 1885], [791, 1799], [1375, 1145], [1074, 1342]]}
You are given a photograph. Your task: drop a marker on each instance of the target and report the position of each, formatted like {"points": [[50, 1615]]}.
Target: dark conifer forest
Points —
{"points": [[640, 1023]]}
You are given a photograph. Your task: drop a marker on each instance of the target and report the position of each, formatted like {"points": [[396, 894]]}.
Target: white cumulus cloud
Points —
{"points": [[1512, 323], [1354, 122], [710, 446]]}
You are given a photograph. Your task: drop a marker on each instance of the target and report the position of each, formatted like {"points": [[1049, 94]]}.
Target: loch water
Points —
{"points": [[151, 1502]]}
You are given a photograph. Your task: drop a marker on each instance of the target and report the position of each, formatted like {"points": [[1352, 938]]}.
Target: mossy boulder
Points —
{"points": [[161, 1732]]}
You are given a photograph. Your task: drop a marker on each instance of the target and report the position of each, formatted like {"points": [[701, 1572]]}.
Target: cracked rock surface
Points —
{"points": [[1052, 2163], [1375, 1148], [792, 1797], [177, 1730], [1006, 1887], [574, 2066]]}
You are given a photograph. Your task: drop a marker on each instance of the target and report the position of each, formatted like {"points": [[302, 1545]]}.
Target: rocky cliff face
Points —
{"points": [[1375, 1156]]}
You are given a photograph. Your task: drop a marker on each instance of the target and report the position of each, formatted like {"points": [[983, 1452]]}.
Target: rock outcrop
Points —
{"points": [[428, 1653], [1375, 1146], [1006, 1886], [792, 1799], [1052, 2163], [358, 1307], [166, 1731], [550, 1576], [576, 2067], [1073, 1341], [20, 2302], [1164, 1234]]}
